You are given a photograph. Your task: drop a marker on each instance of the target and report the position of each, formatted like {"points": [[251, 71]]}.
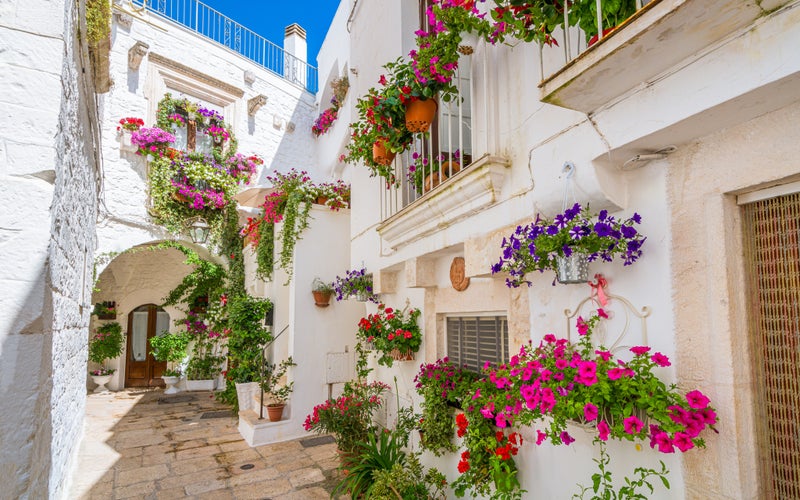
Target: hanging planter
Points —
{"points": [[573, 269], [420, 114], [381, 153], [322, 299]]}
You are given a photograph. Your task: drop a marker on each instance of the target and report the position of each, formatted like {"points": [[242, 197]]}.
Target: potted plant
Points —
{"points": [[395, 334], [170, 348], [205, 363], [322, 292], [105, 344], [272, 383], [247, 337], [125, 129], [616, 394], [334, 195], [357, 284], [566, 243], [349, 418], [105, 310]]}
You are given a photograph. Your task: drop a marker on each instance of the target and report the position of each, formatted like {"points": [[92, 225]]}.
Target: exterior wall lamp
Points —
{"points": [[199, 230]]}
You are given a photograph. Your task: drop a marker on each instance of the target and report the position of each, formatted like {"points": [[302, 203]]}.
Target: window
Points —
{"points": [[474, 340]]}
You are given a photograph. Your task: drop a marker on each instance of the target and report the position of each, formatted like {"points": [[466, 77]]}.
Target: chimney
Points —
{"points": [[294, 42]]}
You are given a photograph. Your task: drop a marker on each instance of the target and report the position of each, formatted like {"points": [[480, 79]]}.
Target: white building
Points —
{"points": [[705, 91]]}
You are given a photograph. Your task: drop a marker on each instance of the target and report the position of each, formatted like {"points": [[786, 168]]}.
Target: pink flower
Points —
{"points": [[632, 425], [587, 373], [660, 359], [602, 313], [590, 411], [697, 400], [605, 355], [583, 328], [709, 416], [603, 430], [566, 438], [561, 364], [540, 437], [683, 441], [550, 338], [661, 439], [640, 350]]}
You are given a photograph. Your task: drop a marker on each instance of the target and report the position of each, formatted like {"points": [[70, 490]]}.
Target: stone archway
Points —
{"points": [[139, 276]]}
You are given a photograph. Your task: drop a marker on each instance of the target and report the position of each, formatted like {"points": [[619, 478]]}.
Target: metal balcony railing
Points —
{"points": [[572, 42], [438, 155], [209, 23]]}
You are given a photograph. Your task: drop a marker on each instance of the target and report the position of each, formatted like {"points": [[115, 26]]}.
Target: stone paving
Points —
{"points": [[143, 444]]}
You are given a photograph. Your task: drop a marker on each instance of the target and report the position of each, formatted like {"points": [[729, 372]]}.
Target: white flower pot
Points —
{"points": [[101, 381], [125, 143], [171, 383], [200, 385]]}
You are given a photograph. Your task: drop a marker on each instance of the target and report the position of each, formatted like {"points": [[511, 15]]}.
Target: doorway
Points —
{"points": [[141, 369]]}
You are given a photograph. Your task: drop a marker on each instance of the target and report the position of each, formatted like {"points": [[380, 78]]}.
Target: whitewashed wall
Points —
{"points": [[744, 75], [47, 216], [279, 132]]}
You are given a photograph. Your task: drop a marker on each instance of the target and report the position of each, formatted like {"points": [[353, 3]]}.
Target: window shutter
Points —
{"points": [[473, 341]]}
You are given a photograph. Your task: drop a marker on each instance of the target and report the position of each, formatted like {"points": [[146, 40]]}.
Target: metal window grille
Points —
{"points": [[772, 258], [474, 340]]}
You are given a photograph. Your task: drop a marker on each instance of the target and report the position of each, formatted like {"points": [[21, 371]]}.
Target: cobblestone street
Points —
{"points": [[143, 444]]}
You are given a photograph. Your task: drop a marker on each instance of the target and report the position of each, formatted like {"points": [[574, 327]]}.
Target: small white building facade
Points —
{"points": [[683, 116]]}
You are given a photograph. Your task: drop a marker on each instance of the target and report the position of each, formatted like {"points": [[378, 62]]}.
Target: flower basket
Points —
{"points": [[573, 269], [381, 154], [398, 355], [420, 114]]}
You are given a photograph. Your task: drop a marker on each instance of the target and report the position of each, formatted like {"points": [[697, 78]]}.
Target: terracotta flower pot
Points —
{"points": [[381, 154], [321, 299], [275, 411], [420, 115], [179, 197], [434, 179], [451, 167], [321, 200]]}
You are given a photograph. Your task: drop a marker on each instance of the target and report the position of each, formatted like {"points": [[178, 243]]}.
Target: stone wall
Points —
{"points": [[48, 207]]}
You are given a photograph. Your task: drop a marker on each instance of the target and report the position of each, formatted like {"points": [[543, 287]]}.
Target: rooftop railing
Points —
{"points": [[211, 24]]}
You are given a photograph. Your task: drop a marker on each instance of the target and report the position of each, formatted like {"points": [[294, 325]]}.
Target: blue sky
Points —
{"points": [[268, 18]]}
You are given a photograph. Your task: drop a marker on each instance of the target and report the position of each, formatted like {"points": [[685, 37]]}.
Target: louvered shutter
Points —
{"points": [[474, 340]]}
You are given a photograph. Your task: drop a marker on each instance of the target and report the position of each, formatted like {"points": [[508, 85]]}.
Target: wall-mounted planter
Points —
{"points": [[420, 114], [322, 299]]}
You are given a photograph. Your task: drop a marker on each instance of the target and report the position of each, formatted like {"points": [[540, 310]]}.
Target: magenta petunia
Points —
{"points": [[632, 425], [683, 442], [660, 359], [590, 411], [540, 437], [605, 355], [697, 400], [640, 350], [566, 438], [603, 431]]}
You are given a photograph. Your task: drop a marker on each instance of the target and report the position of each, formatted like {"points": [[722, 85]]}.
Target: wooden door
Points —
{"points": [[141, 369]]}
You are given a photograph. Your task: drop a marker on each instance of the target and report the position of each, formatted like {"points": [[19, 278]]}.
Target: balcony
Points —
{"points": [[659, 36]]}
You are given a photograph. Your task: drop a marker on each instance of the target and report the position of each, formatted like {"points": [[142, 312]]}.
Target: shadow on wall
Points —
{"points": [[25, 386]]}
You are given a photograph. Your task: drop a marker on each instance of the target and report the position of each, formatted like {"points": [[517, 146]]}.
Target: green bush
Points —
{"points": [[106, 343]]}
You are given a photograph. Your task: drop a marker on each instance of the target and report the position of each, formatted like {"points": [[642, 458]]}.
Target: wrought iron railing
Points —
{"points": [[572, 41], [211, 24], [440, 154]]}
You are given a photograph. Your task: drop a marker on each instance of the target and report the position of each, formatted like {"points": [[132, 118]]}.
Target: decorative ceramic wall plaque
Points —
{"points": [[458, 277]]}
